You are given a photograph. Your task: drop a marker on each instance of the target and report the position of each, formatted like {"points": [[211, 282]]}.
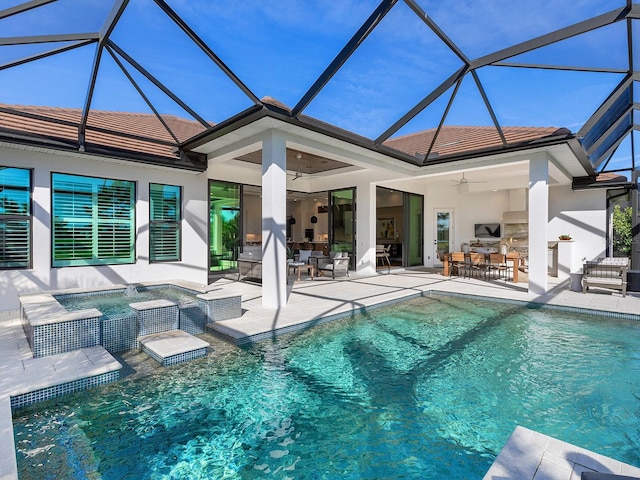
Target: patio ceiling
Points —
{"points": [[450, 68]]}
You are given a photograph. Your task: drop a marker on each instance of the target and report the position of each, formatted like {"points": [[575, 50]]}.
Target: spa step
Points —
{"points": [[173, 346]]}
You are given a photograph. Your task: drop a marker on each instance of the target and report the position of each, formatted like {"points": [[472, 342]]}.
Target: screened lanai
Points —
{"points": [[375, 69], [75, 74]]}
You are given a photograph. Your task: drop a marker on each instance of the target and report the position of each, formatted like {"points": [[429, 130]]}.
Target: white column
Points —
{"points": [[366, 228], [274, 213], [538, 221]]}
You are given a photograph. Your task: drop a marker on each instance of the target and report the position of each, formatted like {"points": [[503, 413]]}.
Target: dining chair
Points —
{"points": [[498, 263], [458, 260], [478, 264], [382, 252], [304, 256]]}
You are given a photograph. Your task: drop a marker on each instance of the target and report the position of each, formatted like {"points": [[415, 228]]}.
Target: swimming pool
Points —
{"points": [[430, 388]]}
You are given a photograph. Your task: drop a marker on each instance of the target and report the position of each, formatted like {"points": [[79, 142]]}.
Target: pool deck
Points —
{"points": [[313, 302]]}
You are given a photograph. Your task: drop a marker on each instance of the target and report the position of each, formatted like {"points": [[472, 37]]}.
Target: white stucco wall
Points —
{"points": [[581, 214], [42, 277]]}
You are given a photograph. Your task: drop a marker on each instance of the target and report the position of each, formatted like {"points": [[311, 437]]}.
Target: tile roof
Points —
{"points": [[139, 133], [144, 134], [456, 140]]}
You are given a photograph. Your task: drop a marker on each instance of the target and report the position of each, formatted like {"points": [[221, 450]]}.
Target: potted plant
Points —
{"points": [[565, 237]]}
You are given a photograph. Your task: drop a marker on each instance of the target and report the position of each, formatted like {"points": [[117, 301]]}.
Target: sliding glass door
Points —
{"points": [[413, 249], [342, 222], [225, 225]]}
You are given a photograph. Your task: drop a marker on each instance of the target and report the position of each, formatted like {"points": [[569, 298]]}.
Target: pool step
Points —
{"points": [[33, 380], [173, 346]]}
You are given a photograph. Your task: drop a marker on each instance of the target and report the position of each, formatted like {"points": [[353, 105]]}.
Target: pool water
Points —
{"points": [[116, 303], [430, 388]]}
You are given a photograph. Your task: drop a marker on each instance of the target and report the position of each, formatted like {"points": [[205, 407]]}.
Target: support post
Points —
{"points": [[366, 228], [274, 213], [538, 221]]}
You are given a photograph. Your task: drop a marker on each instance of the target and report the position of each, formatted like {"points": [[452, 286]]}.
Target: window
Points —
{"points": [[15, 218], [164, 222], [93, 221]]}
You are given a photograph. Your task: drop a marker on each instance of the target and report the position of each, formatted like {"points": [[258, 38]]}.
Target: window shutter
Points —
{"points": [[164, 222], [15, 218], [15, 243], [93, 221]]}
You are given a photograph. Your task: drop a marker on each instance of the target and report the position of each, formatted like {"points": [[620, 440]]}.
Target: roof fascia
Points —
{"points": [[590, 183], [255, 113], [578, 151], [184, 161]]}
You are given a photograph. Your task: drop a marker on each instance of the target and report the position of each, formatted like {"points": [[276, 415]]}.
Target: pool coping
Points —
{"points": [[532, 455], [227, 330], [8, 463]]}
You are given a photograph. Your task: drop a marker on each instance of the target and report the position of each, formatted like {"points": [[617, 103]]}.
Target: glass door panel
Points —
{"points": [[444, 236], [342, 222], [224, 226], [413, 231]]}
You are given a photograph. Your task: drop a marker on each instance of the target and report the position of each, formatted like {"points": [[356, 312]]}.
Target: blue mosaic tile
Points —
{"points": [[63, 389], [120, 334], [60, 337], [156, 320], [192, 319]]}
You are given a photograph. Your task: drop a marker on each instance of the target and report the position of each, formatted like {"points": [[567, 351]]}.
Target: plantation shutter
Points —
{"points": [[164, 222], [15, 218], [93, 221]]}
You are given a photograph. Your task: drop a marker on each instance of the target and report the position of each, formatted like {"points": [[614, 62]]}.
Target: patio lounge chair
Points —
{"points": [[339, 264]]}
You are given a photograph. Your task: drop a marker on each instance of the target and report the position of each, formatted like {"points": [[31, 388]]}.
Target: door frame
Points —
{"points": [[436, 260]]}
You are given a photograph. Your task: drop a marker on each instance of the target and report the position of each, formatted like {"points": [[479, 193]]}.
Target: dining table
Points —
{"points": [[513, 257]]}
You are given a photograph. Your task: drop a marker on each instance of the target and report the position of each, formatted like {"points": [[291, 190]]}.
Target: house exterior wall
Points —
{"points": [[42, 277], [583, 215]]}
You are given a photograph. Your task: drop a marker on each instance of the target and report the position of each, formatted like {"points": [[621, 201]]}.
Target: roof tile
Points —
{"points": [[135, 132]]}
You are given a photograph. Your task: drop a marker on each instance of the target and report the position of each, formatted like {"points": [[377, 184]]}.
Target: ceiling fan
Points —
{"points": [[464, 181], [298, 173]]}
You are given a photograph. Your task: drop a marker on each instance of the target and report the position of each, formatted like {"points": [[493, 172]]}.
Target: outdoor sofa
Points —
{"points": [[609, 272]]}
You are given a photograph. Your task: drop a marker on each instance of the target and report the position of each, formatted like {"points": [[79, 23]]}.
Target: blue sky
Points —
{"points": [[279, 47]]}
